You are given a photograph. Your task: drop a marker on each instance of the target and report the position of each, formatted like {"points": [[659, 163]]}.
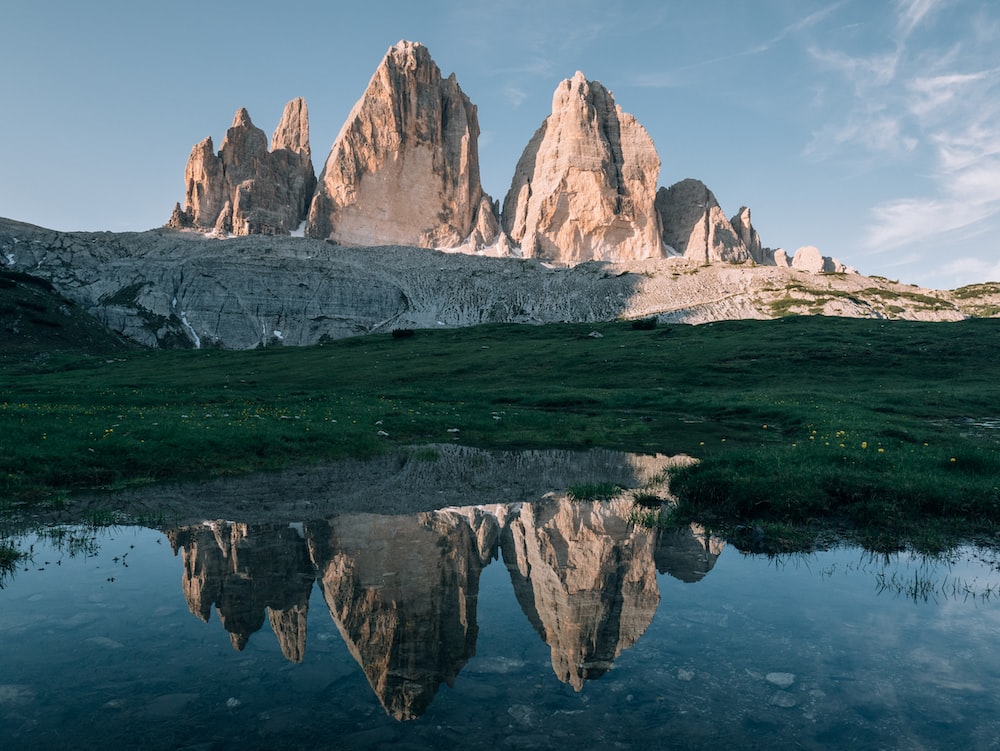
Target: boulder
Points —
{"points": [[585, 186], [404, 169], [246, 189], [695, 226], [809, 258]]}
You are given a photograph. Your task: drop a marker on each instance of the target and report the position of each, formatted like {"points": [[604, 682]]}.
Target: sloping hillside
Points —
{"points": [[35, 319]]}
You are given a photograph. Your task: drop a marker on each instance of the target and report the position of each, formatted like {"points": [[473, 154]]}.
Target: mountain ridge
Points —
{"points": [[165, 288], [404, 170]]}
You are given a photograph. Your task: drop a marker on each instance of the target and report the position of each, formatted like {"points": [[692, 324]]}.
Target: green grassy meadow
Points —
{"points": [[877, 426]]}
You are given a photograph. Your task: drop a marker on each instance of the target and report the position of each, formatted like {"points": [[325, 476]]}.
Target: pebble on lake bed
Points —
{"points": [[781, 680]]}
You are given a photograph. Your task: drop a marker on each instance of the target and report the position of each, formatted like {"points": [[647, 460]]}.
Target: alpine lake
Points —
{"points": [[502, 613]]}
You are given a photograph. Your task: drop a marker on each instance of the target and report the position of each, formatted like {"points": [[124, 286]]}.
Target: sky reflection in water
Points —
{"points": [[531, 625]]}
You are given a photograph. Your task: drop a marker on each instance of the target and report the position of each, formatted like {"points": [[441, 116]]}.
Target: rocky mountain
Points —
{"points": [[585, 186], [404, 169], [247, 189], [695, 227]]}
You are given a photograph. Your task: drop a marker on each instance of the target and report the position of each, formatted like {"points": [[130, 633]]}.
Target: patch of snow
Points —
{"points": [[10, 259], [278, 335], [190, 329], [300, 231]]}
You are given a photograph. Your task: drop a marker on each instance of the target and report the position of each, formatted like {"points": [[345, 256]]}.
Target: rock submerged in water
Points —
{"points": [[781, 680]]}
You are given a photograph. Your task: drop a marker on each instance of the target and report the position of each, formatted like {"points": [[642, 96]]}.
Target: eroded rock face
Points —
{"points": [[748, 235], [404, 169], [246, 189], [585, 186], [695, 226]]}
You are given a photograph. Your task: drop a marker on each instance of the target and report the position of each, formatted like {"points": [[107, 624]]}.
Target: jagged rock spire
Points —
{"points": [[695, 226], [585, 186], [246, 189], [404, 169]]}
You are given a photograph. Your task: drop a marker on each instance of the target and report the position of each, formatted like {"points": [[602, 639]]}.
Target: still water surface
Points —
{"points": [[543, 625]]}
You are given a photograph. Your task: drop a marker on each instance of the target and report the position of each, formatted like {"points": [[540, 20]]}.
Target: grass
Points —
{"points": [[9, 556], [794, 421], [594, 491]]}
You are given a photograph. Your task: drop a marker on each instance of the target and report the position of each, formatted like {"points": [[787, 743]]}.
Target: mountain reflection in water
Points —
{"points": [[403, 590], [423, 561]]}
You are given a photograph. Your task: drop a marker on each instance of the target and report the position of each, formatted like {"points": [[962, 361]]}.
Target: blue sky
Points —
{"points": [[869, 128]]}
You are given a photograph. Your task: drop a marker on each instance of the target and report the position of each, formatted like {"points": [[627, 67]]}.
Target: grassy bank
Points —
{"points": [[865, 421]]}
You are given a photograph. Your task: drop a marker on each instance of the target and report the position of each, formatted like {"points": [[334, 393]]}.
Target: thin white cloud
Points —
{"points": [[515, 95], [677, 76], [932, 93], [865, 72], [912, 12], [875, 131], [934, 112], [970, 267], [916, 220], [963, 112]]}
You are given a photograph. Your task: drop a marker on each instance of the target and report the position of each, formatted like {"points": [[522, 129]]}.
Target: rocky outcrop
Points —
{"points": [[405, 167], [747, 235], [585, 186], [246, 189], [695, 227]]}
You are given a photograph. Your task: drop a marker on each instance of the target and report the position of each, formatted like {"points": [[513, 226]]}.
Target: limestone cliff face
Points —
{"points": [[585, 186], [403, 592], [246, 189], [695, 227], [404, 169], [745, 231], [245, 570], [177, 289], [586, 579]]}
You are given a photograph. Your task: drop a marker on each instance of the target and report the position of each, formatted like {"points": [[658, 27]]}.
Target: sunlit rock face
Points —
{"points": [[246, 189], [744, 229], [403, 593], [243, 571], [585, 186], [404, 169], [695, 226], [586, 579]]}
